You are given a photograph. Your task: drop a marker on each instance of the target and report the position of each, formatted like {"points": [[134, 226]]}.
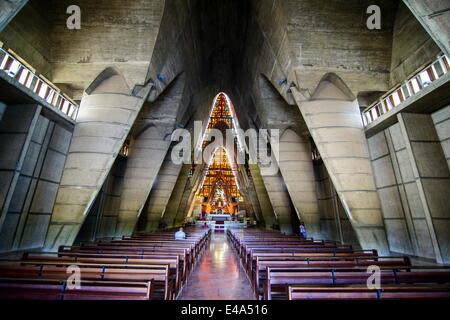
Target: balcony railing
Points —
{"points": [[43, 88], [407, 89]]}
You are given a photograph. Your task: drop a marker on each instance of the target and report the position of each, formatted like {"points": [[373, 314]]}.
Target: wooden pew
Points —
{"points": [[158, 274], [53, 289], [172, 262], [182, 253], [293, 253], [278, 279], [260, 273], [391, 292]]}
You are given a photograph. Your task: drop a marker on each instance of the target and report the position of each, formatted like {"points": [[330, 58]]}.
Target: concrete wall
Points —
{"points": [[441, 121], [430, 171], [332, 36], [113, 33], [403, 216], [36, 179], [412, 179]]}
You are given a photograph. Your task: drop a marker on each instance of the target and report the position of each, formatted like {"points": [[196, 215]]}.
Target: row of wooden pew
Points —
{"points": [[290, 267], [142, 267]]}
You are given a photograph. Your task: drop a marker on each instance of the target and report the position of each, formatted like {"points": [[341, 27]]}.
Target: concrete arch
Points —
{"points": [[331, 86], [334, 121], [109, 80]]}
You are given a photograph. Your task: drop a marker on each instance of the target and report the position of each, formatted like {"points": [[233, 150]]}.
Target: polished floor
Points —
{"points": [[218, 276]]}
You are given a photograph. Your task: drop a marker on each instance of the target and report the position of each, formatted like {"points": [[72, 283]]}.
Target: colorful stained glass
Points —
{"points": [[219, 185]]}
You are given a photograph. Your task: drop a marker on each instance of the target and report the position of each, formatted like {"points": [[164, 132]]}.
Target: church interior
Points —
{"points": [[224, 149]]}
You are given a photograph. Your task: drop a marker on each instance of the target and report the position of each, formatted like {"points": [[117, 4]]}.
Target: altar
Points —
{"points": [[219, 217]]}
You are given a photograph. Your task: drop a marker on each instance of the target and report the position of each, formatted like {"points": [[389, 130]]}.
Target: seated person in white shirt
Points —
{"points": [[180, 235]]}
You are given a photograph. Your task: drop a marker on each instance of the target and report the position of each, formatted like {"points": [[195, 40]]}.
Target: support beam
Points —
{"points": [[175, 198], [8, 10], [263, 197], [161, 192], [434, 15], [144, 163], [280, 200]]}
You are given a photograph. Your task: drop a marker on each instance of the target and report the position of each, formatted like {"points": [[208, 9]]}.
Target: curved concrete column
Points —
{"points": [[279, 198], [298, 173], [175, 198], [263, 197], [104, 122], [334, 121], [144, 163], [161, 192]]}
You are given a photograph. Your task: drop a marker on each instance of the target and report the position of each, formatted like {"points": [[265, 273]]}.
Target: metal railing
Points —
{"points": [[413, 85], [43, 88]]}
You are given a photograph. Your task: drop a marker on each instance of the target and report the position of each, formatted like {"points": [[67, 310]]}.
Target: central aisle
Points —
{"points": [[219, 275]]}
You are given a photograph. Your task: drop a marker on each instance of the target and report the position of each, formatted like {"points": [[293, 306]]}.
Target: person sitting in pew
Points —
{"points": [[180, 235], [303, 231]]}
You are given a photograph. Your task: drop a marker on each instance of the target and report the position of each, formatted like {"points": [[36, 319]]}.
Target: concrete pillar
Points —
{"points": [[433, 16], [298, 173], [263, 197], [432, 177], [280, 200], [16, 131], [175, 198], [144, 163], [161, 192], [8, 10], [334, 121], [104, 121]]}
